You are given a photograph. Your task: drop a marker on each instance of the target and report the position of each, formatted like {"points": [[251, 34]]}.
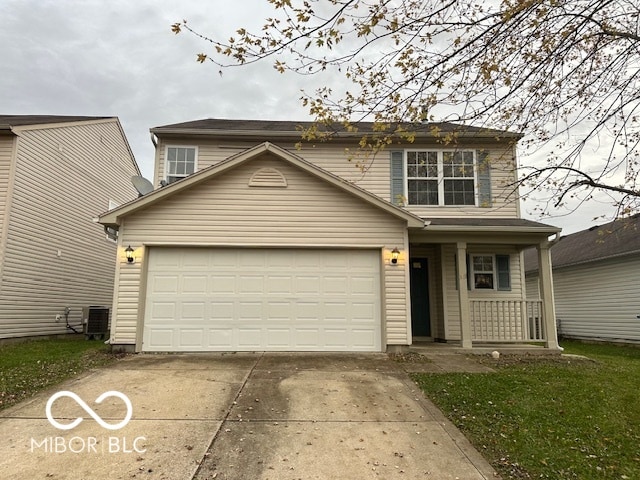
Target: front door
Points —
{"points": [[420, 312]]}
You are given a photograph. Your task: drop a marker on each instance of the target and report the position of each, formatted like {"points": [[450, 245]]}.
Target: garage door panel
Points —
{"points": [[193, 311], [222, 284], [250, 284], [251, 311], [252, 259], [194, 284], [362, 285], [248, 338], [333, 285], [279, 311], [363, 312], [335, 338], [307, 285], [307, 311], [163, 338], [191, 338], [194, 261], [163, 311], [278, 338], [253, 299], [166, 284], [223, 259], [362, 338], [279, 284], [222, 311], [307, 338], [335, 312], [220, 339], [279, 259]]}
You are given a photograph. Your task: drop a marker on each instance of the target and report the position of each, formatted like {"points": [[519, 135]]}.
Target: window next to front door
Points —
{"points": [[181, 162], [490, 272]]}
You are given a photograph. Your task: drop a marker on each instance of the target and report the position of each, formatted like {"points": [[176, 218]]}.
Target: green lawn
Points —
{"points": [[26, 368], [562, 419]]}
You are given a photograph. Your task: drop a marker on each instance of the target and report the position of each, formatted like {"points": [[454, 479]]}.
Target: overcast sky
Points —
{"points": [[120, 58]]}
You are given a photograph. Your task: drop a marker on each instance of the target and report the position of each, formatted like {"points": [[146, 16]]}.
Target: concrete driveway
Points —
{"points": [[239, 416]]}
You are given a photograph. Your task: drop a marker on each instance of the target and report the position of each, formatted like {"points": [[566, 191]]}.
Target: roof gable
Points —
{"points": [[614, 239], [113, 217]]}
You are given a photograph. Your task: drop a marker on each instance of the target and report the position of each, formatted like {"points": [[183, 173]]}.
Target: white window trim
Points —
{"points": [[166, 159], [440, 178], [112, 204], [473, 272]]}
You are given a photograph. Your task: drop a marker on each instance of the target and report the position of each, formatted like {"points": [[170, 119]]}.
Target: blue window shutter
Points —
{"points": [[397, 178], [503, 264], [469, 273], [484, 179]]}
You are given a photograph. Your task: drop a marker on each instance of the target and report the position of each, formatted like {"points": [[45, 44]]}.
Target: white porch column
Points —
{"points": [[463, 295], [545, 277]]}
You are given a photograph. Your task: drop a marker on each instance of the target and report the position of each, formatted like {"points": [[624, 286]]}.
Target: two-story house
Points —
{"points": [[257, 243], [56, 173]]}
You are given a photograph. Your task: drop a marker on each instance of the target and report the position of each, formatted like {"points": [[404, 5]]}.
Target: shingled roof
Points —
{"points": [[23, 120], [614, 239], [285, 127]]}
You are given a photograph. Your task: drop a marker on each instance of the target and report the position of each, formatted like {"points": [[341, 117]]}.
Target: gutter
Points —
{"points": [[296, 133], [493, 229]]}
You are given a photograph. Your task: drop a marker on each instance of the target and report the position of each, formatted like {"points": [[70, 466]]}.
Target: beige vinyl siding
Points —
{"points": [[600, 299], [374, 175], [56, 256], [225, 211], [6, 151], [533, 287], [450, 293]]}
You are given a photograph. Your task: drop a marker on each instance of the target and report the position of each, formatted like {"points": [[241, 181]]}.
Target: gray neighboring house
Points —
{"points": [[56, 174], [596, 278]]}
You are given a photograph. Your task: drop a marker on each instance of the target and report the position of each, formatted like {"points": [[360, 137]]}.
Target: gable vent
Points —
{"points": [[268, 177]]}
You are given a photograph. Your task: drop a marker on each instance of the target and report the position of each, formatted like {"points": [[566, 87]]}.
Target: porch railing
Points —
{"points": [[507, 320]]}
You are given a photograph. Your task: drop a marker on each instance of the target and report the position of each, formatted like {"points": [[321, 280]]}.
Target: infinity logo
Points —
{"points": [[79, 401]]}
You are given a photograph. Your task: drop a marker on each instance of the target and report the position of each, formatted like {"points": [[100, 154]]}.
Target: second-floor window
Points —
{"points": [[181, 162], [440, 177]]}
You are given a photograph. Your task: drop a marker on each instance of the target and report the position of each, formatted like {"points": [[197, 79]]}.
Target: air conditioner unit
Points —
{"points": [[95, 321]]}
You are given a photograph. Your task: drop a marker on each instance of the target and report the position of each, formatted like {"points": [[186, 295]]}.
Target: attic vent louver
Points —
{"points": [[268, 177]]}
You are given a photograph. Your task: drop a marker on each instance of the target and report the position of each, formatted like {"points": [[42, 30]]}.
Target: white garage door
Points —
{"points": [[262, 299]]}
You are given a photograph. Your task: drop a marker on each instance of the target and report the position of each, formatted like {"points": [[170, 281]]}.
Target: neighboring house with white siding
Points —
{"points": [[261, 242], [56, 174], [596, 278]]}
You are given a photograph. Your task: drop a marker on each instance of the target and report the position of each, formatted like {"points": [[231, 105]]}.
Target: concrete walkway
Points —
{"points": [[240, 416]]}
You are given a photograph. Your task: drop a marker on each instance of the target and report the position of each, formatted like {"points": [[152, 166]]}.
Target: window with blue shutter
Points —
{"points": [[484, 179], [489, 272], [440, 178], [397, 178]]}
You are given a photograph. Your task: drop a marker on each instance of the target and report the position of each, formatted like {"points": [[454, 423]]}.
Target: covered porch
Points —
{"points": [[468, 287]]}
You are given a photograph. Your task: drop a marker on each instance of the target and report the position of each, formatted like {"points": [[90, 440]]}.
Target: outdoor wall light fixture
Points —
{"points": [[395, 253], [129, 254]]}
